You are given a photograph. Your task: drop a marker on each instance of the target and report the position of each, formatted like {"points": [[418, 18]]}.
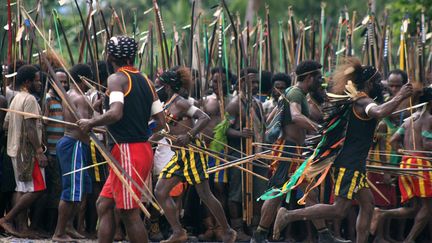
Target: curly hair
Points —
{"points": [[178, 79]]}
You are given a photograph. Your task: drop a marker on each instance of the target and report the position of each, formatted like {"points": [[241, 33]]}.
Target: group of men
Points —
{"points": [[55, 162]]}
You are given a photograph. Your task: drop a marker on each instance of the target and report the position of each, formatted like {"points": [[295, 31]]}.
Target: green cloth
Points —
{"points": [[296, 95], [427, 134], [401, 131]]}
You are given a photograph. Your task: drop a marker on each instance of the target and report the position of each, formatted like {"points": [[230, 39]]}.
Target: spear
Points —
{"points": [[322, 34], [269, 41], [421, 47], [30, 50], [87, 38], [292, 39], [281, 63], [312, 40], [9, 24], [192, 28], [60, 25], [162, 36], [45, 118]]}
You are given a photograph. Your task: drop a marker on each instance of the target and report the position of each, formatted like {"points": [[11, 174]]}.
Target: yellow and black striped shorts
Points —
{"points": [[348, 182], [190, 166]]}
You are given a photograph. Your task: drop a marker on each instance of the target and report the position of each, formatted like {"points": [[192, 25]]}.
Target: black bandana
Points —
{"points": [[122, 47]]}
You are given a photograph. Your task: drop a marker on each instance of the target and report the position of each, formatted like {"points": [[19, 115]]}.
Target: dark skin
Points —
{"points": [[421, 208], [67, 210], [179, 109], [105, 206], [25, 200], [212, 108], [339, 208], [278, 88], [237, 130], [295, 132]]}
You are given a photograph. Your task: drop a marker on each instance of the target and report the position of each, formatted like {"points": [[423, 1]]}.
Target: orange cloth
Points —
{"points": [[414, 186]]}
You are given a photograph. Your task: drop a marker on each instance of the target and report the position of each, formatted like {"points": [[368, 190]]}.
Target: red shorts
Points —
{"points": [[136, 159], [413, 186]]}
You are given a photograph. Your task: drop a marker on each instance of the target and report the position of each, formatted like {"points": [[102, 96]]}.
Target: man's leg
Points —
{"points": [[24, 202], [105, 209], [421, 219], [366, 203], [70, 229], [380, 215], [203, 190], [65, 211], [318, 211], [162, 190], [135, 228]]}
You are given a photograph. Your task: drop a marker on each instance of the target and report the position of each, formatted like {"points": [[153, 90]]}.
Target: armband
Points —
{"points": [[368, 107], [116, 96], [156, 107], [191, 111], [427, 134]]}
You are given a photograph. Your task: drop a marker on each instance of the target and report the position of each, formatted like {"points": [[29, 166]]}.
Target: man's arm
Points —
{"points": [[301, 120], [233, 114], [368, 109], [116, 83], [397, 138]]}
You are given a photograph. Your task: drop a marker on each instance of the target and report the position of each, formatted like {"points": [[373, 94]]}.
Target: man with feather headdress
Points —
{"points": [[347, 138]]}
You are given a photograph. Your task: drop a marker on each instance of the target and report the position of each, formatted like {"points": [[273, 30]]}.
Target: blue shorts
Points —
{"points": [[72, 155]]}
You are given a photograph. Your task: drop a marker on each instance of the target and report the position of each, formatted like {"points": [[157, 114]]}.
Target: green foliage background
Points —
{"points": [[178, 12]]}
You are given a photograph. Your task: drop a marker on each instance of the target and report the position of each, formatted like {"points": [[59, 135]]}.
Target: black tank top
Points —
{"points": [[358, 140], [138, 100]]}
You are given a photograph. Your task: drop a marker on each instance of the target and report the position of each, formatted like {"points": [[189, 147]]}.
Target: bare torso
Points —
{"points": [[84, 110], [212, 109]]}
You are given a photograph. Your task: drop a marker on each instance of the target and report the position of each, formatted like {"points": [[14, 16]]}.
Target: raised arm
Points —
{"points": [[367, 108]]}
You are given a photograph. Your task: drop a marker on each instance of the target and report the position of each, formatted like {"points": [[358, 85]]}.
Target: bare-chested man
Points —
{"points": [[73, 153], [186, 166], [237, 134], [295, 123], [414, 134], [350, 162], [214, 107]]}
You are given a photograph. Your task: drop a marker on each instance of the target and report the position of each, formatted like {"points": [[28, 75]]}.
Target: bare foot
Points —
{"points": [[62, 238], [229, 236], [74, 234], [177, 237], [281, 222], [376, 217], [9, 228]]}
